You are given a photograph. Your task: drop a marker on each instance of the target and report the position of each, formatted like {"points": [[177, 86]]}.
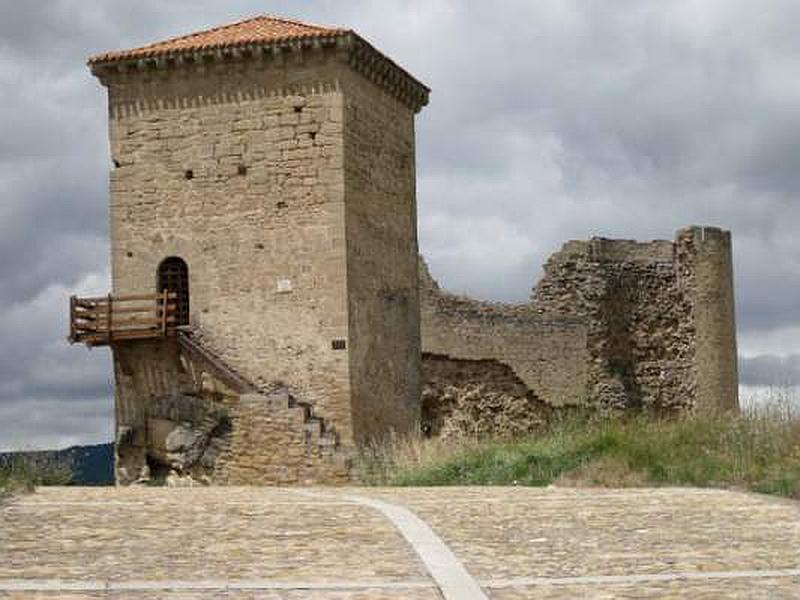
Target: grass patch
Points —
{"points": [[757, 450], [24, 471]]}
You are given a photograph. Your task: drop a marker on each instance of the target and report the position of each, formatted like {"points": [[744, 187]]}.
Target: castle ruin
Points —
{"points": [[270, 312]]}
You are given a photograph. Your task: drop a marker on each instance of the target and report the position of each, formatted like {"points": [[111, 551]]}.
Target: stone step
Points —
{"points": [[318, 440]]}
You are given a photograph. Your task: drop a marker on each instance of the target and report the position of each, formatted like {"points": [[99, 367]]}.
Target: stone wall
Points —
{"points": [[298, 451], [547, 352], [476, 398], [640, 328], [238, 170], [178, 422], [613, 324], [382, 260], [287, 185], [704, 258]]}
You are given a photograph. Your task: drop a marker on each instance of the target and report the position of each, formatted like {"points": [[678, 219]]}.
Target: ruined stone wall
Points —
{"points": [[640, 326], [145, 373], [177, 422], [168, 420], [613, 324], [547, 352], [381, 231], [237, 169], [477, 398], [660, 316]]}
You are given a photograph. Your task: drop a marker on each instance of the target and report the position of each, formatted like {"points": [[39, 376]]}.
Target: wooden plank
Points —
{"points": [[126, 324], [92, 300], [88, 307], [138, 335], [136, 297], [132, 309], [85, 318], [164, 310], [125, 297], [142, 321], [110, 323], [101, 320], [121, 308], [72, 318], [215, 365]]}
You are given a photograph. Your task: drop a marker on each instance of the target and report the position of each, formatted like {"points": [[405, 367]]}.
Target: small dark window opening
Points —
{"points": [[242, 170], [173, 276], [117, 165], [189, 174], [312, 135], [298, 109], [281, 204], [338, 344]]}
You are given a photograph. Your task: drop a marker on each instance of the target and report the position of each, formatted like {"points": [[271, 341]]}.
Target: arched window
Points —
{"points": [[173, 276]]}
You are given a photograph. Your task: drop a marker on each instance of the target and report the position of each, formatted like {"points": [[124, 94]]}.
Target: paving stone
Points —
{"points": [[518, 542], [779, 588], [518, 532], [197, 533]]}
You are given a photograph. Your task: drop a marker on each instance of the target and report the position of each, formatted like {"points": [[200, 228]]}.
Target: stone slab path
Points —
{"points": [[400, 543]]}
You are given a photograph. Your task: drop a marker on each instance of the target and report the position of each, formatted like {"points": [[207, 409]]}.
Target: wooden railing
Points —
{"points": [[103, 320]]}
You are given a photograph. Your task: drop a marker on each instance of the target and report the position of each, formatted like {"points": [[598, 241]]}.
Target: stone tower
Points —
{"points": [[265, 172], [706, 255]]}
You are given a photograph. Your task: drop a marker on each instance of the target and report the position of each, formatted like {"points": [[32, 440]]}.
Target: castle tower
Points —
{"points": [[264, 176], [706, 254]]}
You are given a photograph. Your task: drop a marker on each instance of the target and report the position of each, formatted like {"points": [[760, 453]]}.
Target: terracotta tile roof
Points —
{"points": [[256, 30]]}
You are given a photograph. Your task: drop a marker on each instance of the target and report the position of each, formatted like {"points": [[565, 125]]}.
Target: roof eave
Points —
{"points": [[364, 57]]}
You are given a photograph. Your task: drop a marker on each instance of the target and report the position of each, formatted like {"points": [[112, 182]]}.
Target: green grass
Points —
{"points": [[755, 451], [24, 472]]}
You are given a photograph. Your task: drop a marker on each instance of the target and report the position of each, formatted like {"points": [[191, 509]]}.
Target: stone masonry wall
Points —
{"points": [[547, 353], [703, 255], [293, 458], [287, 185], [660, 314], [381, 231], [237, 169], [175, 422], [640, 326], [476, 398], [613, 323]]}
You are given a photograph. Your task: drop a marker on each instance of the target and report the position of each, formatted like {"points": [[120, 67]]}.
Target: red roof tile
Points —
{"points": [[257, 30]]}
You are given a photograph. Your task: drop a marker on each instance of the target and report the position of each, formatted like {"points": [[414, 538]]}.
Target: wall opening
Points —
{"points": [[173, 275]]}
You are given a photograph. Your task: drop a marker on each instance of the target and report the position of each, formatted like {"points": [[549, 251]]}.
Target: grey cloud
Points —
{"points": [[45, 424], [548, 121], [769, 370]]}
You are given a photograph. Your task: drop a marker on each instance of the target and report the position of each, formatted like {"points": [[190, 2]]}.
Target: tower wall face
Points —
{"points": [[706, 254], [382, 256], [238, 169]]}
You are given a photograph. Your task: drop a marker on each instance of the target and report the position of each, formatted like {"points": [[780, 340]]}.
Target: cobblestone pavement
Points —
{"points": [[321, 543]]}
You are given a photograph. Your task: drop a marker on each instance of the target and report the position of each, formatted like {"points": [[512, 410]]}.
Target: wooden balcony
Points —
{"points": [[104, 320]]}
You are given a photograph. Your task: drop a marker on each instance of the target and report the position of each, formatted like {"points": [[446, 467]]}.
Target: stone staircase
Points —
{"points": [[318, 435], [321, 440]]}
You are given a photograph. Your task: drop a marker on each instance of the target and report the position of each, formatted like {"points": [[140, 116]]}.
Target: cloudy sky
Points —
{"points": [[549, 120]]}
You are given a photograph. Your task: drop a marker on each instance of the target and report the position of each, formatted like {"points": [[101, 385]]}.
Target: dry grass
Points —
{"points": [[758, 450]]}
